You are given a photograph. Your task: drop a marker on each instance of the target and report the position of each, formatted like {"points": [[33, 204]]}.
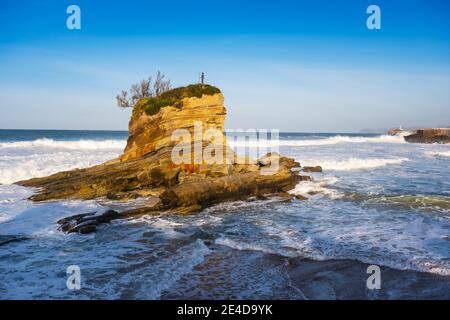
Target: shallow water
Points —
{"points": [[379, 201]]}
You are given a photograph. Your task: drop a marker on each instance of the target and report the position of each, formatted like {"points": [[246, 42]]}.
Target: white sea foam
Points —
{"points": [[70, 145], [15, 168], [22, 160], [164, 273], [321, 187], [438, 153], [399, 251], [316, 142], [351, 164], [224, 241]]}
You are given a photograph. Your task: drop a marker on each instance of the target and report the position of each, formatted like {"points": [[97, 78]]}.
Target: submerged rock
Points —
{"points": [[5, 239], [87, 229], [300, 197]]}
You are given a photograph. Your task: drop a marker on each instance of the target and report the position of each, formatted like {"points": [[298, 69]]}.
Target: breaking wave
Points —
{"points": [[315, 142], [349, 242], [354, 163], [66, 144], [318, 187], [432, 203], [115, 144], [15, 168], [438, 153]]}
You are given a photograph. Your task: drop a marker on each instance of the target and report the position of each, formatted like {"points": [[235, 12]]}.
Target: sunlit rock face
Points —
{"points": [[149, 133]]}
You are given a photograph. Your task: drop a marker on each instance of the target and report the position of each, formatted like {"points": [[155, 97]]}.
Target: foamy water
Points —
{"points": [[22, 160], [379, 200], [438, 153], [338, 139], [78, 145], [351, 164]]}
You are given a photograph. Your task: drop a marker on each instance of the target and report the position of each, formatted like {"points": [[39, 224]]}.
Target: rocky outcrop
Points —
{"points": [[190, 128], [312, 169], [432, 135], [150, 133]]}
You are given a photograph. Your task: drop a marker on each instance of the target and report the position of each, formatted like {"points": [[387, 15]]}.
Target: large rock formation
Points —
{"points": [[147, 167], [150, 132], [431, 135]]}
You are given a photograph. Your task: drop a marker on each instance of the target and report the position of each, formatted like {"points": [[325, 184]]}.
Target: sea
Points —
{"points": [[379, 201]]}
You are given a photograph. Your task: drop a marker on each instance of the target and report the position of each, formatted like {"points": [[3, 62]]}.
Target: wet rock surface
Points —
{"points": [[86, 222], [312, 169], [430, 136]]}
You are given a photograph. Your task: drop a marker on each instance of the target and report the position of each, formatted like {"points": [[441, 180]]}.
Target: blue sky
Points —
{"points": [[290, 65]]}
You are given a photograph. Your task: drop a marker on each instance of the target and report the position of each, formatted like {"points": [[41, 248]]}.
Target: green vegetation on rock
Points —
{"points": [[151, 106]]}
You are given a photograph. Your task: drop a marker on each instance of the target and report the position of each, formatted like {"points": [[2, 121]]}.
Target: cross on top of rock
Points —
{"points": [[202, 78]]}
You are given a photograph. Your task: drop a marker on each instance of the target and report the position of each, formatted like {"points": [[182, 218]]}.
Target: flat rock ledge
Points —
{"points": [[175, 191], [432, 135]]}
